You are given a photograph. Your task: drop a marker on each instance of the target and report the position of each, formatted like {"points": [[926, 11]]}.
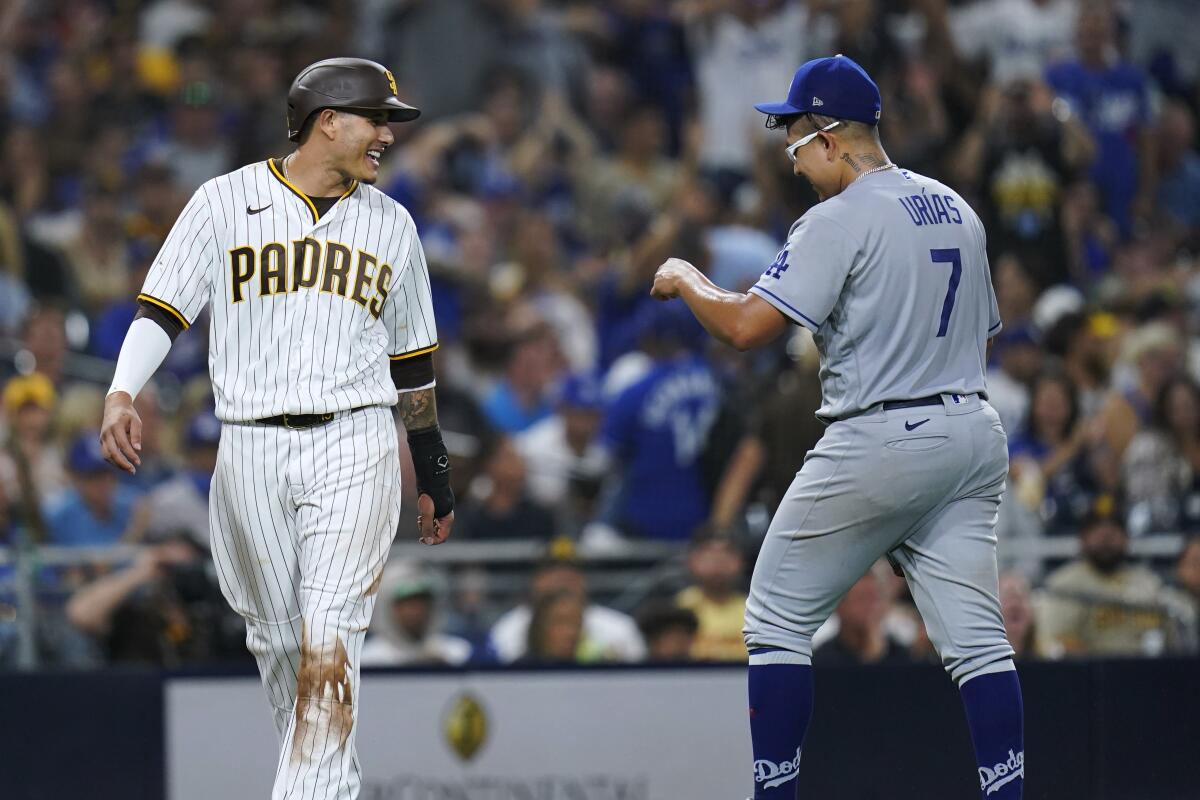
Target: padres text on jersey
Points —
{"points": [[306, 307]]}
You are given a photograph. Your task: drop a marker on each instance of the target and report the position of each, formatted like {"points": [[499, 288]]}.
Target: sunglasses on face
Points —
{"points": [[803, 140]]}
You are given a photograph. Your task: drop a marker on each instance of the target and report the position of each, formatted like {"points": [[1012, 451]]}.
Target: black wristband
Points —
{"points": [[432, 464]]}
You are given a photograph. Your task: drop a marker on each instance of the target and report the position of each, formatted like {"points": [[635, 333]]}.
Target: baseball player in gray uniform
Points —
{"points": [[889, 272], [321, 320]]}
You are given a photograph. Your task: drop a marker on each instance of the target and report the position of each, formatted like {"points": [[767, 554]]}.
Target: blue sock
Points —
{"points": [[781, 700], [994, 713]]}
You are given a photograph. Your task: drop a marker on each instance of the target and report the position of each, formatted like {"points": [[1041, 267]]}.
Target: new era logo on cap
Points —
{"points": [[837, 86]]}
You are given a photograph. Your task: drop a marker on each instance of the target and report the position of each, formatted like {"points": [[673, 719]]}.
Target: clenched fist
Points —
{"points": [[669, 277]]}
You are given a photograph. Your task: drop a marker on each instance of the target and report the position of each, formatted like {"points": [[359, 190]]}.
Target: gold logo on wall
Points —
{"points": [[466, 726], [391, 81]]}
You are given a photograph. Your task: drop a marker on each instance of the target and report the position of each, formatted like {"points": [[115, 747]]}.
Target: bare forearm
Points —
{"points": [[719, 310], [418, 409], [91, 608]]}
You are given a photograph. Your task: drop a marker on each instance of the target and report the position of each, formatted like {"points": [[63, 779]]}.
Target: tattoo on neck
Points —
{"points": [[872, 160], [849, 159]]}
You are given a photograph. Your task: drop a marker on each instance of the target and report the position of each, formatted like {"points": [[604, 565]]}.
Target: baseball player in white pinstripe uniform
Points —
{"points": [[890, 273], [321, 320]]}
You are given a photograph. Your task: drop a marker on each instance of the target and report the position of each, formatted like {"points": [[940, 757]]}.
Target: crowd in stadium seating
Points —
{"points": [[567, 147]]}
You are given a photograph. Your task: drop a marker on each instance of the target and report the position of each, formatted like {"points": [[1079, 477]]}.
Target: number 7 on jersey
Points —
{"points": [[953, 257]]}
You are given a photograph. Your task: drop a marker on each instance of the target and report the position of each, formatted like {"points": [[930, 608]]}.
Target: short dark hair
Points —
{"points": [[819, 121], [660, 616]]}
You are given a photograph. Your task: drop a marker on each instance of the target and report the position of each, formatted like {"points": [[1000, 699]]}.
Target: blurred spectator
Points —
{"points": [[31, 469], [469, 615], [1016, 604], [549, 291], [1179, 166], [861, 635], [180, 504], [158, 203], [1082, 343], [716, 568], [44, 337], [565, 463], [556, 633], [1112, 97], [164, 610], [669, 631], [1022, 156], [639, 174], [783, 427], [1015, 39], [521, 398], [648, 42], [609, 634], [1155, 354], [97, 510], [1101, 605], [95, 250], [740, 51], [1052, 460], [1161, 464], [443, 72], [1017, 360], [657, 429], [407, 629], [498, 505], [195, 150]]}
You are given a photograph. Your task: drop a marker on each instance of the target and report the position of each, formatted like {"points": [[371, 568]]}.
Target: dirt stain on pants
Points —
{"points": [[324, 700]]}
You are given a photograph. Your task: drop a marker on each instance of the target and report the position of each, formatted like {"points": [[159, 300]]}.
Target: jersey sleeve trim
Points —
{"points": [[795, 314], [165, 306], [992, 331], [414, 353], [307, 201]]}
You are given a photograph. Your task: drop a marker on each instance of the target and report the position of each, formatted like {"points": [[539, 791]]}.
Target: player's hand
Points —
{"points": [[431, 530], [121, 432], [669, 277]]}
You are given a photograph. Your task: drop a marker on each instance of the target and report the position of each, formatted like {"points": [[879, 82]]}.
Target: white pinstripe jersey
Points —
{"points": [[305, 311]]}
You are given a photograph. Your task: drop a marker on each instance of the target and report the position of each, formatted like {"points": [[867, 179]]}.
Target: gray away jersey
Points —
{"points": [[305, 312], [892, 278]]}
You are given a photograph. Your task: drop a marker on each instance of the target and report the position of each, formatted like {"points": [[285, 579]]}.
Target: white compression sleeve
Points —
{"points": [[145, 347]]}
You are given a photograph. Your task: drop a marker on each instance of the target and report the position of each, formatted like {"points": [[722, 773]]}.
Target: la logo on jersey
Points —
{"points": [[770, 774], [1002, 774], [778, 266]]}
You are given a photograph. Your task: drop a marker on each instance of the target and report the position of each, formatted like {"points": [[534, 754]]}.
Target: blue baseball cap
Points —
{"points": [[833, 87], [85, 456]]}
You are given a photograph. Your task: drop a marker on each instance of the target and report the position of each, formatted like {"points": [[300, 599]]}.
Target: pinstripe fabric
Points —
{"points": [[302, 522], [296, 348], [306, 312]]}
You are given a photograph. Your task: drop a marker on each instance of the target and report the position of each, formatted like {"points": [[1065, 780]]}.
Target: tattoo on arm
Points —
{"points": [[871, 160], [418, 409], [849, 159]]}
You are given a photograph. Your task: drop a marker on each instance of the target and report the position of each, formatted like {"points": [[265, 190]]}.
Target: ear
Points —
{"points": [[327, 122], [830, 144]]}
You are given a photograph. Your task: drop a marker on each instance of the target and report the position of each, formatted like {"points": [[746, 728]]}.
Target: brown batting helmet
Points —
{"points": [[350, 83]]}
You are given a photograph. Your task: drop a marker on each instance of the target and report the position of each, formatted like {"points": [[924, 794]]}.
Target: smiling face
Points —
{"points": [[357, 142]]}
